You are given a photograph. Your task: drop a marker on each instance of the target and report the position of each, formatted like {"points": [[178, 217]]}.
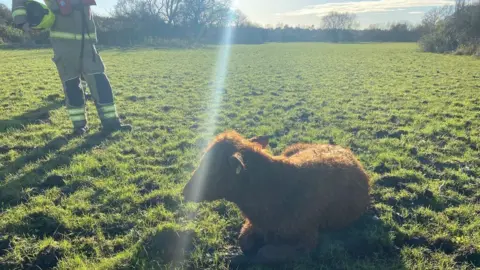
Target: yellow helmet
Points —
{"points": [[39, 16]]}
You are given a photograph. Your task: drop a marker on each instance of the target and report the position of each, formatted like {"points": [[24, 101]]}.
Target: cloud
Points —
{"points": [[416, 12], [365, 6]]}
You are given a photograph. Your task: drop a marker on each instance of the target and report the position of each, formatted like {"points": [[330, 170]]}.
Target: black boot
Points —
{"points": [[111, 126], [79, 131]]}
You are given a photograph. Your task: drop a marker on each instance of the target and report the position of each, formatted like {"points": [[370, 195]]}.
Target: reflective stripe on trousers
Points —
{"points": [[19, 12], [65, 35], [107, 111], [77, 114]]}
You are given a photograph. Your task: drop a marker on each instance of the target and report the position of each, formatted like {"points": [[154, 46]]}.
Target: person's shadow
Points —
{"points": [[12, 191], [37, 116]]}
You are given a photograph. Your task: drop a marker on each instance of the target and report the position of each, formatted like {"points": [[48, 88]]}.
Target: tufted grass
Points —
{"points": [[112, 201]]}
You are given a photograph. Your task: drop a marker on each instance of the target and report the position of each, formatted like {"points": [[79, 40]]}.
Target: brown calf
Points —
{"points": [[285, 199]]}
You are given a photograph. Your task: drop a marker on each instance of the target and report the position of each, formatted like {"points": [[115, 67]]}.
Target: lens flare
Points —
{"points": [[217, 92], [218, 89]]}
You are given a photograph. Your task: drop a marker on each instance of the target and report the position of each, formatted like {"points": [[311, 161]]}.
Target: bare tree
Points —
{"points": [[466, 20], [433, 17], [206, 12], [240, 19], [338, 25], [139, 8], [339, 21], [172, 10]]}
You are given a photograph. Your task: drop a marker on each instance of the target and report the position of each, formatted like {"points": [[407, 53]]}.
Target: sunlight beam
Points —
{"points": [[217, 92], [218, 87]]}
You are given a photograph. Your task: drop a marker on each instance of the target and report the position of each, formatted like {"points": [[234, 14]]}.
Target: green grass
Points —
{"points": [[113, 201]]}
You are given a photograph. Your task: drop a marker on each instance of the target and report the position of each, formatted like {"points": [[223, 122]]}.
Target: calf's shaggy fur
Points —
{"points": [[285, 199]]}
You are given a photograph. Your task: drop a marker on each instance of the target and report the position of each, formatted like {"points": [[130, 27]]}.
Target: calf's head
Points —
{"points": [[221, 174]]}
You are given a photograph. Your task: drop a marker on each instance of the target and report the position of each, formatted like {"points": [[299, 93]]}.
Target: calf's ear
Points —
{"points": [[236, 163], [262, 140]]}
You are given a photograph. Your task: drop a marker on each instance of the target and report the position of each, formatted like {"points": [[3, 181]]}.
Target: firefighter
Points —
{"points": [[73, 38]]}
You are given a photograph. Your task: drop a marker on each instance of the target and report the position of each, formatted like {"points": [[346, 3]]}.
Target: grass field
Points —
{"points": [[113, 201]]}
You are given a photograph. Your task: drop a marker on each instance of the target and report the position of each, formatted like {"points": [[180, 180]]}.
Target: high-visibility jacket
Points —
{"points": [[66, 27]]}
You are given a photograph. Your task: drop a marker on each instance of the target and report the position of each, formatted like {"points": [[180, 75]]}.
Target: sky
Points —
{"points": [[309, 12]]}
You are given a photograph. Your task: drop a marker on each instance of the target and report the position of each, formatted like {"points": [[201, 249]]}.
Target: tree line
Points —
{"points": [[183, 22], [177, 22], [205, 21]]}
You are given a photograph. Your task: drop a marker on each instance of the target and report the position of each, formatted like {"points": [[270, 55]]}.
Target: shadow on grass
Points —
{"points": [[165, 247], [367, 244], [165, 44], [24, 47], [34, 155], [13, 192], [40, 115]]}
